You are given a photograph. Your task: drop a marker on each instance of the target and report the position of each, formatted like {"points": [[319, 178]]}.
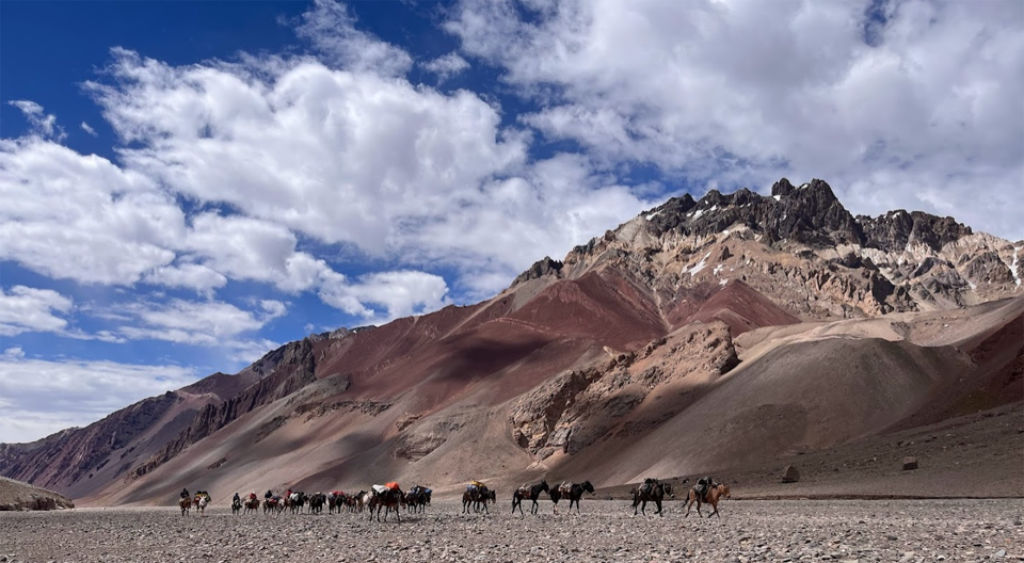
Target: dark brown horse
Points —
{"points": [[531, 492], [272, 504], [477, 497], [252, 504], [573, 492], [651, 490], [716, 492], [417, 499], [387, 500], [317, 502], [185, 503]]}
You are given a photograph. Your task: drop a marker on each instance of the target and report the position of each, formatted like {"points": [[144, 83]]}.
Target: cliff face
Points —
{"points": [[751, 319]]}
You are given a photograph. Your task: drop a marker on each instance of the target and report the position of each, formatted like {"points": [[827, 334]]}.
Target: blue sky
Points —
{"points": [[187, 185]]}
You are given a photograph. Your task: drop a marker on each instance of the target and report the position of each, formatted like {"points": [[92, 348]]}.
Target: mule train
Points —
{"points": [[381, 501]]}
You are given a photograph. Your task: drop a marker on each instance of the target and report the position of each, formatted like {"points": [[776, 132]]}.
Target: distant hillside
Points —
{"points": [[15, 495]]}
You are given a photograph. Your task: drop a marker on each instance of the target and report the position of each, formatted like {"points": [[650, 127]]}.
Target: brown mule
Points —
{"points": [[715, 493], [651, 490]]}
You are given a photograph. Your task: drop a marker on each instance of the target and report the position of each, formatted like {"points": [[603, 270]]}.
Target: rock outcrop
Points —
{"points": [[15, 495]]}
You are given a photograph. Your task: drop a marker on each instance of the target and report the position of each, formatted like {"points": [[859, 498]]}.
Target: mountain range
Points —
{"points": [[737, 333]]}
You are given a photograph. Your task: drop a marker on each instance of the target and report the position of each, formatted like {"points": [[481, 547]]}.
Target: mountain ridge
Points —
{"points": [[591, 329]]}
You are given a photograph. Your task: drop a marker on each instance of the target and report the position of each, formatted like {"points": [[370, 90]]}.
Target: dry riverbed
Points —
{"points": [[791, 530]]}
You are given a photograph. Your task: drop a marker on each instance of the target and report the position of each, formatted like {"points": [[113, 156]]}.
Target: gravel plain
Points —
{"points": [[786, 530]]}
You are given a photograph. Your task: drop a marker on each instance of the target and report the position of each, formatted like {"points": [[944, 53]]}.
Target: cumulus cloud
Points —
{"points": [[336, 155], [342, 157], [398, 293], [39, 397], [67, 215], [27, 309], [891, 105], [88, 129]]}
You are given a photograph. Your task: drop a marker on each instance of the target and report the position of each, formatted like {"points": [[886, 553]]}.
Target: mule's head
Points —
{"points": [[544, 485], [588, 487], [667, 489], [723, 491]]}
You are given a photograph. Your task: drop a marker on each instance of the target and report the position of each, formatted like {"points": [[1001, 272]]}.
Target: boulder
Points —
{"points": [[790, 474], [909, 462]]}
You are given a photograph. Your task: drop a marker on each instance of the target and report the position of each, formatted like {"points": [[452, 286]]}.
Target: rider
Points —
{"points": [[252, 495], [648, 485], [184, 493], [703, 484], [236, 499], [268, 494]]}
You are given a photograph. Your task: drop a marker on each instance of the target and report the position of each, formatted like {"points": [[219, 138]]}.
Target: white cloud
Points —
{"points": [[331, 29], [710, 92], [336, 155], [247, 249], [42, 124], [204, 323], [13, 352], [399, 293], [39, 397], [350, 158], [88, 129], [187, 275], [66, 215], [27, 309], [447, 66]]}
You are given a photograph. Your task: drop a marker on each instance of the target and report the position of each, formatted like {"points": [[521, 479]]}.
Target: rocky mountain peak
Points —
{"points": [[804, 249], [543, 267], [812, 214], [897, 229]]}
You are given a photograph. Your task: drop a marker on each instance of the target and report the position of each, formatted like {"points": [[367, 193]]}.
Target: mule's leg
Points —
{"points": [[658, 502]]}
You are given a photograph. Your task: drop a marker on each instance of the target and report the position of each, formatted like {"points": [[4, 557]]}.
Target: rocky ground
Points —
{"points": [[790, 530]]}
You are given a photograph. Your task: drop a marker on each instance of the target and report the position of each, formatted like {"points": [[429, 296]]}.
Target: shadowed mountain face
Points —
{"points": [[724, 332]]}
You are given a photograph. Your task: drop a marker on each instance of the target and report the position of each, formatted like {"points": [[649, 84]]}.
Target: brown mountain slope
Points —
{"points": [[819, 386]]}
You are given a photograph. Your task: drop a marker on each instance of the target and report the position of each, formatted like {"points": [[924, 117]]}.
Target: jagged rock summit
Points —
{"points": [[724, 333], [802, 248]]}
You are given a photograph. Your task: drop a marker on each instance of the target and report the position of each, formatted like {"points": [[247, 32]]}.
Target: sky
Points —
{"points": [[185, 186]]}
